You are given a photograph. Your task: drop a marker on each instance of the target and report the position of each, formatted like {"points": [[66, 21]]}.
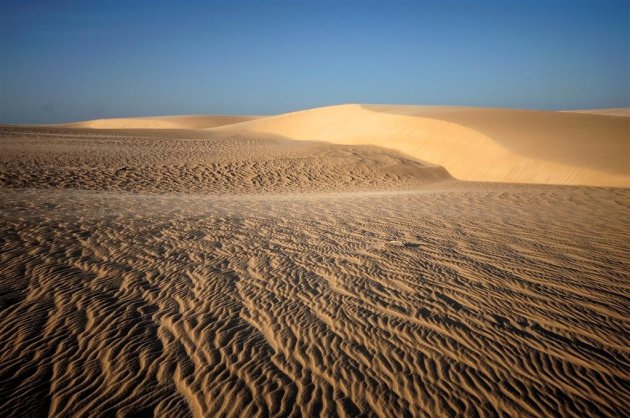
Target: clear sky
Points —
{"points": [[75, 60]]}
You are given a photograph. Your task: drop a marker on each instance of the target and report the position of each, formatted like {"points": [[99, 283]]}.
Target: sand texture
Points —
{"points": [[198, 162], [277, 267]]}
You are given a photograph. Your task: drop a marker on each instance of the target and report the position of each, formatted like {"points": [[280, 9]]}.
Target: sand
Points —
{"points": [[610, 111], [238, 271], [497, 145], [160, 122]]}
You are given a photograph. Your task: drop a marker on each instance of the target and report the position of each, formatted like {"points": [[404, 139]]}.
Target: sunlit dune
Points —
{"points": [[478, 144], [160, 122], [610, 111]]}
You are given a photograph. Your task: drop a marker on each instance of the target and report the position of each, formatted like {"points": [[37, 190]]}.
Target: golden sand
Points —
{"points": [[320, 263]]}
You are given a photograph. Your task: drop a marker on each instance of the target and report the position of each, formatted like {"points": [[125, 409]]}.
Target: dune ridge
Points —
{"points": [[160, 122], [515, 146], [609, 111], [589, 148]]}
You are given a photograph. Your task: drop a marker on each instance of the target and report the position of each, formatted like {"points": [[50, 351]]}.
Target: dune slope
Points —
{"points": [[161, 161], [475, 144]]}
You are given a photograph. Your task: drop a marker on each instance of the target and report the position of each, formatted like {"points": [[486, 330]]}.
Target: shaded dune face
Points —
{"points": [[235, 272]]}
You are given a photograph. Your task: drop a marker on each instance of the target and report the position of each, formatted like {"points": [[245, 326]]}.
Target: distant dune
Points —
{"points": [[610, 111], [500, 145], [160, 122], [479, 144]]}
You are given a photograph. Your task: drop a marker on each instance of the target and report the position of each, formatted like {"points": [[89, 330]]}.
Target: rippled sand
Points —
{"points": [[192, 273]]}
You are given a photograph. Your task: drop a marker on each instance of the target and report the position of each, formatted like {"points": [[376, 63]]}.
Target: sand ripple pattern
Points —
{"points": [[188, 161], [459, 300], [187, 273]]}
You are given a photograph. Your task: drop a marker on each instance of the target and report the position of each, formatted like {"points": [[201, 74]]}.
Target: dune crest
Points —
{"points": [[496, 145], [161, 122], [608, 111]]}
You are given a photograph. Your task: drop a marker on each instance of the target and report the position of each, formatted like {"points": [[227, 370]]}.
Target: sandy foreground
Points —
{"points": [[318, 263]]}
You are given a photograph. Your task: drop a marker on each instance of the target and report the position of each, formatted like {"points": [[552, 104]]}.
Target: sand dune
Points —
{"points": [[198, 162], [160, 122], [475, 144], [610, 111], [478, 144], [234, 272]]}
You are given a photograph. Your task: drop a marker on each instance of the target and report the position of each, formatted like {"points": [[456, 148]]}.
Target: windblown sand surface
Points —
{"points": [[234, 272]]}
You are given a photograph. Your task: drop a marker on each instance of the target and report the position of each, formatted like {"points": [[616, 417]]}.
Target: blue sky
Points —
{"points": [[76, 60]]}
